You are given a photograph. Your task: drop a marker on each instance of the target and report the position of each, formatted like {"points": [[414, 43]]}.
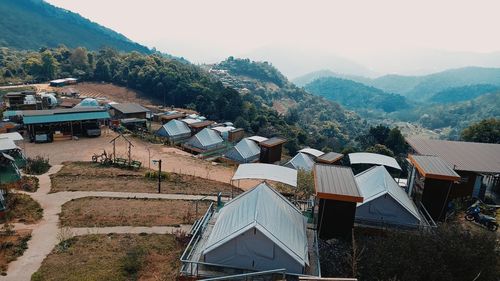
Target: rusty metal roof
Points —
{"points": [[336, 183], [462, 156], [274, 141], [433, 167], [330, 157]]}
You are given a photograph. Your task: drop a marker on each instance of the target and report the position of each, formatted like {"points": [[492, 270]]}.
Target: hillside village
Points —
{"points": [[248, 208]]}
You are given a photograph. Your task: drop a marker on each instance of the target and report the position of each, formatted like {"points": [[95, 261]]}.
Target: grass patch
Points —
{"points": [[12, 246], [87, 176], [22, 208], [114, 257], [99, 211]]}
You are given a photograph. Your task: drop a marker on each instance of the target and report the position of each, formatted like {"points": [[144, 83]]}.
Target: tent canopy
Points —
{"points": [[243, 151], [15, 136], [273, 215], [301, 161], [312, 151], [206, 138], [174, 128], [376, 182], [7, 144], [266, 172], [373, 158]]}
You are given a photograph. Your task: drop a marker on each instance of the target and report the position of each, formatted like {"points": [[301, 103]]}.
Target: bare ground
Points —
{"points": [[12, 246], [101, 212], [86, 176]]}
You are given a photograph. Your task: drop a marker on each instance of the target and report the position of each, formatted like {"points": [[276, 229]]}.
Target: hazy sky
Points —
{"points": [[363, 31]]}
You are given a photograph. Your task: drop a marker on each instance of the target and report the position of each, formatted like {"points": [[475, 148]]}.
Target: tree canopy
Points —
{"points": [[487, 130]]}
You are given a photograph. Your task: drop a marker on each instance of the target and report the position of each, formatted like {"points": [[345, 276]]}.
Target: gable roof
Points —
{"points": [[376, 182], [206, 137], [247, 148], [301, 161], [373, 158], [433, 167], [311, 151], [461, 155], [128, 108], [336, 183], [175, 128], [268, 211]]}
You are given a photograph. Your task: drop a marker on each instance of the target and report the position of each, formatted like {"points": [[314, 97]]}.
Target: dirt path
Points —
{"points": [[45, 233]]}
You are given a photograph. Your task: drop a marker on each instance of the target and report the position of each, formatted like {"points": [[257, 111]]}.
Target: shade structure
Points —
{"points": [[174, 129], [15, 136], [301, 161], [245, 151], [259, 230], [7, 144], [54, 118], [311, 151], [206, 139], [384, 201], [266, 172], [373, 158]]}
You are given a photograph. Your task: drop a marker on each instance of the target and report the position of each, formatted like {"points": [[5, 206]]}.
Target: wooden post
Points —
{"points": [[71, 126]]}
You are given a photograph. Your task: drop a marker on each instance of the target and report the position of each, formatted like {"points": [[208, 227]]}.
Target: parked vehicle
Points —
{"points": [[473, 213]]}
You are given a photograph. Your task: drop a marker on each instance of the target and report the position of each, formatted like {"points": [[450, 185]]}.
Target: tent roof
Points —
{"points": [[465, 156], [7, 144], [222, 129], [376, 182], [266, 172], [301, 161], [312, 151], [433, 167], [176, 127], [208, 137], [15, 136], [373, 158], [247, 148], [265, 209], [8, 157], [257, 139]]}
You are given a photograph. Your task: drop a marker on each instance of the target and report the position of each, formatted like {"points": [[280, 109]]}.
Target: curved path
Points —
{"points": [[45, 233]]}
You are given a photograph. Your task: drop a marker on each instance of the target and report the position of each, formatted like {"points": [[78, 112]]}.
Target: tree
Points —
{"points": [[79, 59], [102, 71], [487, 131], [49, 65], [380, 149], [396, 142], [305, 183]]}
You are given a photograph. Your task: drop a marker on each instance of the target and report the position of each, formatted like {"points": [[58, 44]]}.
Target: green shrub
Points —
{"points": [[153, 175], [37, 166], [133, 261]]}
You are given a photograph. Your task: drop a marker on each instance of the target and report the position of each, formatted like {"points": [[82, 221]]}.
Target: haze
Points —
{"points": [[353, 37]]}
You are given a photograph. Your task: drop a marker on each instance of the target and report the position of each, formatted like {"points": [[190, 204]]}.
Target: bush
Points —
{"points": [[153, 175], [133, 261], [37, 166]]}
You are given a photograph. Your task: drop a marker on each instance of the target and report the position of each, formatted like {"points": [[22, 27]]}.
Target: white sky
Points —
{"points": [[210, 30]]}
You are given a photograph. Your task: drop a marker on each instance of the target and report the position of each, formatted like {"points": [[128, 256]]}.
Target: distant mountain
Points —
{"points": [[355, 95], [303, 80], [32, 24], [464, 93]]}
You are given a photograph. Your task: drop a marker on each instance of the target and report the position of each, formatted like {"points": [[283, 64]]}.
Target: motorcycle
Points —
{"points": [[473, 213]]}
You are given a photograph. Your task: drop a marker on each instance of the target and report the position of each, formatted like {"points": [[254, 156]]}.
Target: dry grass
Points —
{"points": [[22, 208], [114, 257], [86, 176], [12, 246], [98, 211]]}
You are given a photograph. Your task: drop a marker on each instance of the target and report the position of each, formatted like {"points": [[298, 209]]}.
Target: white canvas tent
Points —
{"points": [[174, 130], [259, 230], [301, 161], [373, 158], [261, 171], [206, 139], [384, 201], [245, 151]]}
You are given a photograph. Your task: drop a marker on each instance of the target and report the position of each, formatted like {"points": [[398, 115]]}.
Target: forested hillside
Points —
{"points": [[464, 93], [355, 95], [33, 24]]}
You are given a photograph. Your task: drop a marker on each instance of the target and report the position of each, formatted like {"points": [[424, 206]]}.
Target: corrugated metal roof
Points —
{"points": [[272, 142], [301, 161], [433, 167], [206, 138], [336, 182], [312, 151], [373, 158], [266, 172], [265, 209], [376, 182], [462, 156], [175, 128], [61, 111], [38, 119], [330, 157], [128, 108]]}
